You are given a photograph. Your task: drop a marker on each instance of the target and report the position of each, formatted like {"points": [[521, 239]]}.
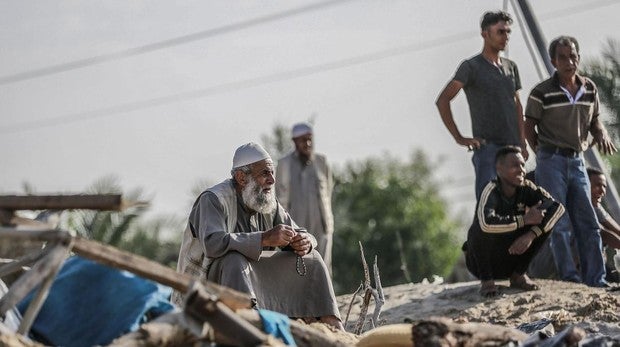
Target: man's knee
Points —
{"points": [[234, 272], [234, 260], [313, 256]]}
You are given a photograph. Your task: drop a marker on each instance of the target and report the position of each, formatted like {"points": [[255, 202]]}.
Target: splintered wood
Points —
{"points": [[368, 293]]}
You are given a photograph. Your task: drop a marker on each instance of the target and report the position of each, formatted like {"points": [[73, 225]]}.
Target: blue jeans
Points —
{"points": [[565, 178], [484, 166]]}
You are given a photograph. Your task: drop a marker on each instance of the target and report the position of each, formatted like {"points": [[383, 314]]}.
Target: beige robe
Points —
{"points": [[305, 190]]}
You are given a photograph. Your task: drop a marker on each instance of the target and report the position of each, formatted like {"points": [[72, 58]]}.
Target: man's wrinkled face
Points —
{"points": [[598, 188], [497, 35], [511, 169], [566, 60], [258, 193], [303, 144]]}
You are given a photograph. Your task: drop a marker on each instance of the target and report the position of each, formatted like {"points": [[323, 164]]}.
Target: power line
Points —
{"points": [[236, 85], [242, 84], [577, 9], [81, 63], [526, 39]]}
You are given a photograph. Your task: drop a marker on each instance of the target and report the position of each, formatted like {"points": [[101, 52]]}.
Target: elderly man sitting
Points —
{"points": [[239, 236]]}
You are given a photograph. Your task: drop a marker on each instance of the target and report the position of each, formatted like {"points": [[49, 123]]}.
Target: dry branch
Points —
{"points": [[359, 289], [369, 292], [359, 325], [377, 294]]}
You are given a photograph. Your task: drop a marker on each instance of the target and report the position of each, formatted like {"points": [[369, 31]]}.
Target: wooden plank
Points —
{"points": [[18, 264], [30, 224], [203, 307], [34, 235], [136, 264], [108, 202], [39, 298]]}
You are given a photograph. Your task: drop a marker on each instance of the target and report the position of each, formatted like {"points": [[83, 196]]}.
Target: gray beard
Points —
{"points": [[257, 200]]}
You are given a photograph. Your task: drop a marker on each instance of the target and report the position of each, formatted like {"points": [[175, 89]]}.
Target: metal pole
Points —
{"points": [[537, 34]]}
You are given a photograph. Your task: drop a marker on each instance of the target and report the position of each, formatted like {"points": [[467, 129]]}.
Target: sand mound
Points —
{"points": [[593, 309]]}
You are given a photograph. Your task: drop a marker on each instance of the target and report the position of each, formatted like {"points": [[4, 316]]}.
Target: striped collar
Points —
{"points": [[582, 88]]}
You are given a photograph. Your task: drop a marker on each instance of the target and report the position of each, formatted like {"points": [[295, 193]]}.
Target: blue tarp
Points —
{"points": [[91, 304]]}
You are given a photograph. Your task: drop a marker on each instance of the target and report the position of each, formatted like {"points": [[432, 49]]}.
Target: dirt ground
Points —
{"points": [[593, 309]]}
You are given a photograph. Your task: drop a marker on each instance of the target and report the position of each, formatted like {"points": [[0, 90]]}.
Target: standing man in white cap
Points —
{"points": [[240, 237], [304, 188]]}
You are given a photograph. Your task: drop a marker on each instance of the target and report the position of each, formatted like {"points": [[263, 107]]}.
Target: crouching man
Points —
{"points": [[513, 219], [240, 237]]}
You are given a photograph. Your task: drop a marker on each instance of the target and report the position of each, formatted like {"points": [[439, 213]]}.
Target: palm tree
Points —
{"points": [[278, 143], [127, 229], [605, 72]]}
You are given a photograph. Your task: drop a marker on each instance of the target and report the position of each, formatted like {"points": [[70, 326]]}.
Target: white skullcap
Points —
{"points": [[248, 154], [301, 129]]}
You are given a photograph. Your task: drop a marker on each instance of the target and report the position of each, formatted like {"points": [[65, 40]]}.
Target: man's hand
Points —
{"points": [[524, 151], [301, 244], [470, 143], [522, 243], [603, 142], [534, 215], [279, 236]]}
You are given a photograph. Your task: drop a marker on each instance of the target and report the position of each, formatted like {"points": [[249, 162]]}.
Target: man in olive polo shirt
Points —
{"points": [[560, 113]]}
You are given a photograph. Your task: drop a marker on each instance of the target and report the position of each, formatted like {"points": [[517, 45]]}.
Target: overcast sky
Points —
{"points": [[78, 101]]}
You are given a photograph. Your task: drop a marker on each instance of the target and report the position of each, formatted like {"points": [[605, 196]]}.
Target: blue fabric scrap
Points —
{"points": [[278, 325]]}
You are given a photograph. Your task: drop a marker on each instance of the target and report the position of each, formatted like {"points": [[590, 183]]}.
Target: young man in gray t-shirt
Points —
{"points": [[491, 85]]}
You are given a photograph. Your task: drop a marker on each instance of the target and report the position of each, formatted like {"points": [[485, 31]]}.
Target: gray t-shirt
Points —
{"points": [[490, 92]]}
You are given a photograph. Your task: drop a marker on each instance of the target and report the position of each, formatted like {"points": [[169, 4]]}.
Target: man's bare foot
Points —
{"points": [[309, 320], [333, 321], [488, 289], [522, 281]]}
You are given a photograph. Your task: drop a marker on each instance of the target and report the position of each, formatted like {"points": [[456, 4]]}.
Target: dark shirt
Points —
{"points": [[498, 214], [499, 222], [490, 93]]}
